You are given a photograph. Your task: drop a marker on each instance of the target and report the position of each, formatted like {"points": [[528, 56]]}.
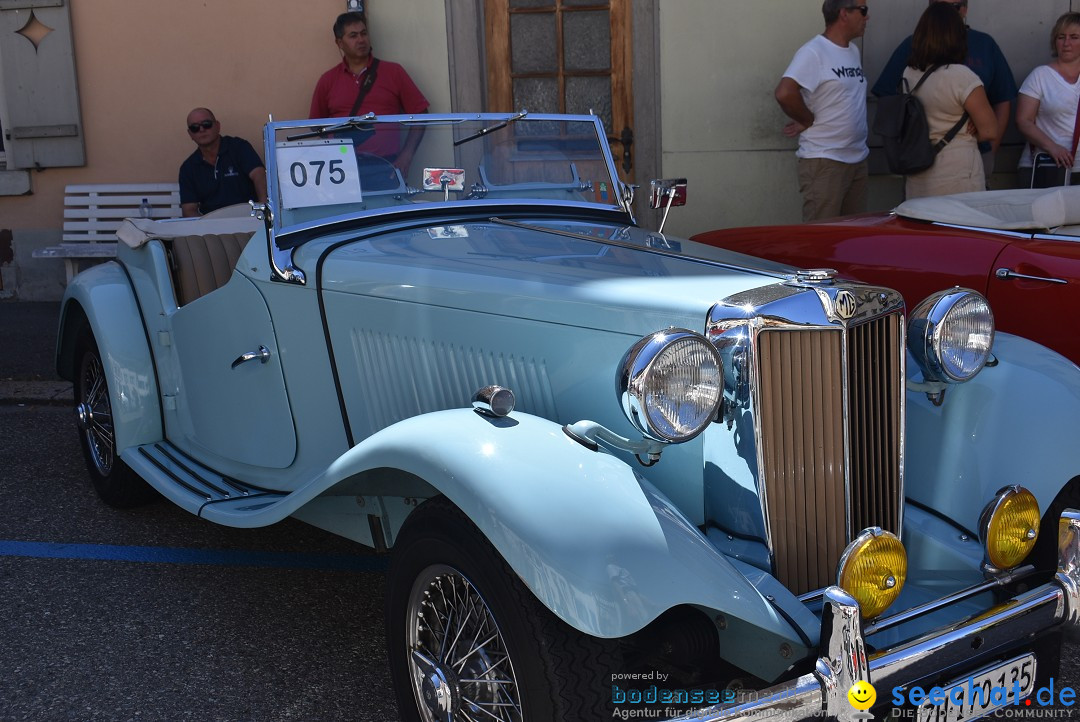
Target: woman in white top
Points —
{"points": [[940, 41], [1046, 108]]}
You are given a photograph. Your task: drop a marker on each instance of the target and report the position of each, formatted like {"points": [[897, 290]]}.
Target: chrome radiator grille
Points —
{"points": [[825, 480]]}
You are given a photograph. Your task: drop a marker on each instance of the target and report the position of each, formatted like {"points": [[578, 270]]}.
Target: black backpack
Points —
{"points": [[905, 134]]}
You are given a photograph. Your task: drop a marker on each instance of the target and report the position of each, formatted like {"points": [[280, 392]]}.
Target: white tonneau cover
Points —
{"points": [[233, 219], [1039, 209]]}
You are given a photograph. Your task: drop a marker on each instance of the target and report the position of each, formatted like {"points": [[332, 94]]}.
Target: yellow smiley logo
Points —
{"points": [[862, 695]]}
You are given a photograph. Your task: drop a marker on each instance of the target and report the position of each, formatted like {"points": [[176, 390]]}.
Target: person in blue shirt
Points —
{"points": [[223, 170], [988, 62]]}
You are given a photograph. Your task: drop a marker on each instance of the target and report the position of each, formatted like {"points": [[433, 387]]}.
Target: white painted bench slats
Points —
{"points": [[114, 205], [93, 212], [98, 209]]}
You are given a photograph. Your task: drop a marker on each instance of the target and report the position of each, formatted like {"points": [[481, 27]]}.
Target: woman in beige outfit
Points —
{"points": [[940, 41]]}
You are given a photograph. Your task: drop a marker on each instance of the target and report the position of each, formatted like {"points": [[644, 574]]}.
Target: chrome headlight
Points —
{"points": [[670, 384], [950, 335]]}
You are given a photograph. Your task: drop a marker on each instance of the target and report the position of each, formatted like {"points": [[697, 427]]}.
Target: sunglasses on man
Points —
{"points": [[958, 6], [861, 8], [201, 125]]}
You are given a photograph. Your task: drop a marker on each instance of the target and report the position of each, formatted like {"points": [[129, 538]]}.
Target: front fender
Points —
{"points": [[1014, 423], [595, 542], [102, 298]]}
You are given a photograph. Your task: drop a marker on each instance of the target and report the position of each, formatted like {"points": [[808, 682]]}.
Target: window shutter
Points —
{"points": [[37, 60]]}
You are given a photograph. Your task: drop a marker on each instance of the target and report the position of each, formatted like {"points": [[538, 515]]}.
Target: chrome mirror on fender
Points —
{"points": [[666, 193]]}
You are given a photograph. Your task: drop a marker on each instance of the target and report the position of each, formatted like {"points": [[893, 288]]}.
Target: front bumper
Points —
{"points": [[843, 659]]}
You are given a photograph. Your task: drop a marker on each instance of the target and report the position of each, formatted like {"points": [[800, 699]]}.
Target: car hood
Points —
{"points": [[584, 274]]}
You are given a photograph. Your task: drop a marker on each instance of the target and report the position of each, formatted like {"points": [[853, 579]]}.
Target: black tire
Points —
{"points": [[114, 481], [545, 670]]}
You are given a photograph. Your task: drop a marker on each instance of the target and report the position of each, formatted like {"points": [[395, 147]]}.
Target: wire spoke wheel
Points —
{"points": [[469, 642], [95, 414], [114, 481], [458, 660]]}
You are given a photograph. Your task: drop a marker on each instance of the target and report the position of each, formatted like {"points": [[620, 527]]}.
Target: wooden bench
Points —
{"points": [[93, 212]]}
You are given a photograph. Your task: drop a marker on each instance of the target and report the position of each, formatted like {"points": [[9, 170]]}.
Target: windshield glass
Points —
{"points": [[325, 169]]}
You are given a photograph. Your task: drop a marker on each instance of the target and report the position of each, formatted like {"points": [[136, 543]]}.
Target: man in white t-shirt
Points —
{"points": [[823, 91]]}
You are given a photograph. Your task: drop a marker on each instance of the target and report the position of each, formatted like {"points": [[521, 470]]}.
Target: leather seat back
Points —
{"points": [[205, 263]]}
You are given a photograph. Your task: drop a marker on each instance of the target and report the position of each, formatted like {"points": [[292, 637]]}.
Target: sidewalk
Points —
{"points": [[27, 341]]}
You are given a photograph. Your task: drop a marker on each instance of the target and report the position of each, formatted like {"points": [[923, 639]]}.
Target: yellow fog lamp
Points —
{"points": [[872, 570], [1009, 526]]}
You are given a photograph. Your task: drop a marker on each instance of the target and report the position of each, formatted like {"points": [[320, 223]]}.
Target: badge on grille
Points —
{"points": [[846, 305]]}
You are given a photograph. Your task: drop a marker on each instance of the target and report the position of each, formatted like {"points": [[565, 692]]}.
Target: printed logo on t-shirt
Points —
{"points": [[231, 172], [849, 73]]}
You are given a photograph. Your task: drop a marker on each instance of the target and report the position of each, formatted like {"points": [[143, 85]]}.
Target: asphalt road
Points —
{"points": [[280, 623]]}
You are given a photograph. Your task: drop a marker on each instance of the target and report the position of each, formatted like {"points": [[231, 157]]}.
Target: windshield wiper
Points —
{"points": [[361, 123], [484, 131]]}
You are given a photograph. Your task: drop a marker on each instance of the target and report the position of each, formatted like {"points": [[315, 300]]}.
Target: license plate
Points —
{"points": [[983, 692]]}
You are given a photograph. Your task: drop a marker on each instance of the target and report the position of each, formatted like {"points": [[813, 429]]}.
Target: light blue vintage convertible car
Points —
{"points": [[619, 474]]}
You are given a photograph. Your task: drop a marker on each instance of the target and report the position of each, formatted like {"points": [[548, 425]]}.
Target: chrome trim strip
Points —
{"points": [[883, 623], [849, 459], [1020, 617], [903, 421], [1052, 236], [993, 231]]}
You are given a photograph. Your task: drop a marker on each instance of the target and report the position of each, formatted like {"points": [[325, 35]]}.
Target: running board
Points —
{"points": [[203, 491]]}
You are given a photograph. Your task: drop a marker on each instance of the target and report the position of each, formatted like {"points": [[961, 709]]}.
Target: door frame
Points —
{"points": [[468, 82]]}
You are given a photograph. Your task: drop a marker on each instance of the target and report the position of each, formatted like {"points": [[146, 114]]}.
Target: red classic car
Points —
{"points": [[1019, 248]]}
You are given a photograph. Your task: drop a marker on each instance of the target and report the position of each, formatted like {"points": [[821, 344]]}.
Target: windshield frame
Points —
{"points": [[293, 234]]}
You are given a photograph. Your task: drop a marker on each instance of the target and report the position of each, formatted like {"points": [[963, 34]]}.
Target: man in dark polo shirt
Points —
{"points": [[223, 170]]}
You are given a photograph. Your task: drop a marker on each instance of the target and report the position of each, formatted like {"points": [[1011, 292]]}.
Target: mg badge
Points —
{"points": [[846, 305]]}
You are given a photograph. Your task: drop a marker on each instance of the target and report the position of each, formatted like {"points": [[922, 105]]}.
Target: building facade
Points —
{"points": [[97, 91]]}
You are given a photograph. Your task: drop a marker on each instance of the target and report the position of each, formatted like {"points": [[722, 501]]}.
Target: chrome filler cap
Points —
{"points": [[815, 275]]}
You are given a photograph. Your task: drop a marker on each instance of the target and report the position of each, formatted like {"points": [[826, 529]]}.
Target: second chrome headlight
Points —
{"points": [[951, 334], [670, 384]]}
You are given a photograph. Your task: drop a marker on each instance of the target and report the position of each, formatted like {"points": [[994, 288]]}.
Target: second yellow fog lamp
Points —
{"points": [[872, 570], [1009, 526]]}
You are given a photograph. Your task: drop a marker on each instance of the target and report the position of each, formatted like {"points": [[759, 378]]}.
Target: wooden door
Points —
{"points": [[564, 56]]}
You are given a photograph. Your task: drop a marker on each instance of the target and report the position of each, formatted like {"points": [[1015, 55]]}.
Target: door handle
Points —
{"points": [[263, 354], [1006, 273]]}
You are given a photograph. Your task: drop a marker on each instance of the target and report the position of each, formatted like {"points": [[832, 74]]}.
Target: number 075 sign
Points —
{"points": [[317, 173]]}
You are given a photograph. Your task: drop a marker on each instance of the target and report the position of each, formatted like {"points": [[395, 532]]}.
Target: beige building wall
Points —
{"points": [[721, 60], [143, 64]]}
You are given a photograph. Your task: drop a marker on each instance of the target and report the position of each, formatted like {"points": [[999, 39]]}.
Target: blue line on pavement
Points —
{"points": [[175, 555]]}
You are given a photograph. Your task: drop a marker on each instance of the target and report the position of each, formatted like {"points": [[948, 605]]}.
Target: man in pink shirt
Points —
{"points": [[362, 84]]}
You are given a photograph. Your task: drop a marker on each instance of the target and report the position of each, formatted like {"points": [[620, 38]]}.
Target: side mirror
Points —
{"points": [[665, 193]]}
